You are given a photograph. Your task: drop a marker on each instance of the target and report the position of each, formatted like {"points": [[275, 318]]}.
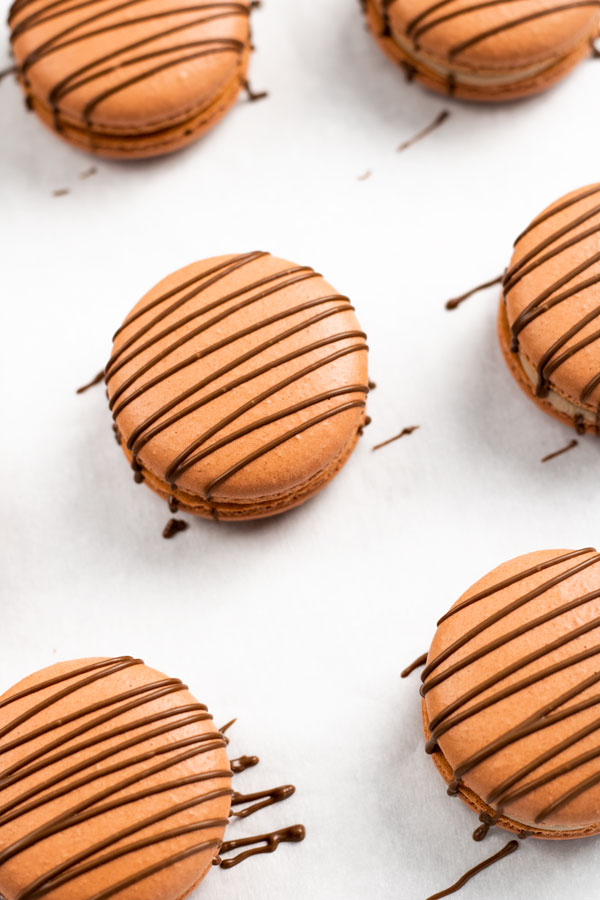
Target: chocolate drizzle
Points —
{"points": [[260, 800], [570, 446], [268, 844], [173, 527], [455, 302], [506, 851], [429, 19], [160, 327], [569, 286], [405, 431], [507, 681], [157, 749], [424, 132], [95, 380], [242, 763], [130, 51]]}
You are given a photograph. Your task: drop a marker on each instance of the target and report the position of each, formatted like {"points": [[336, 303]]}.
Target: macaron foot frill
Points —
{"points": [[127, 82], [510, 697], [488, 51]]}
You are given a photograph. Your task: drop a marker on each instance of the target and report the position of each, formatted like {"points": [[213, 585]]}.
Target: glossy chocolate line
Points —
{"points": [[415, 665], [509, 636], [555, 210], [496, 617], [553, 711], [413, 30], [263, 798], [506, 851], [113, 366], [182, 463], [511, 670], [523, 20], [572, 242], [228, 265], [242, 763], [46, 886], [570, 446], [548, 241], [138, 439], [272, 445], [207, 351], [126, 55], [496, 588], [271, 842], [109, 798], [456, 301]]}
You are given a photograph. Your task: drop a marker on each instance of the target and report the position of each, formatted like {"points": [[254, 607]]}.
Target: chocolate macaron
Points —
{"points": [[549, 318], [114, 782], [496, 50], [238, 386], [511, 701], [132, 79]]}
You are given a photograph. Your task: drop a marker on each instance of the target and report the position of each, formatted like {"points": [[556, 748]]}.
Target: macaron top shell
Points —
{"points": [[239, 377], [512, 689], [552, 295], [129, 66], [493, 35], [114, 781]]}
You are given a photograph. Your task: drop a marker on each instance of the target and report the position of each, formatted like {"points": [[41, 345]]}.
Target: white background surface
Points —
{"points": [[299, 626]]}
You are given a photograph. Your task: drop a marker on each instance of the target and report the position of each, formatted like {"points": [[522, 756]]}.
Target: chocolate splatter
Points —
{"points": [[396, 437], [506, 851], [372, 385], [61, 192], [456, 301], [556, 453], [242, 763], [253, 96], [271, 842], [88, 172], [95, 380], [365, 175], [439, 120], [415, 665], [173, 527]]}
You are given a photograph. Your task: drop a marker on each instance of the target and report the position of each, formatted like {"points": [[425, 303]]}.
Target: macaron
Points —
{"points": [[497, 50], [133, 79], [238, 386], [114, 782], [549, 316], [510, 696]]}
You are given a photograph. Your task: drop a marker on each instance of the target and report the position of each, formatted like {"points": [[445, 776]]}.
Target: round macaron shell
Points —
{"points": [[494, 36], [21, 790], [551, 259], [132, 67], [309, 363], [468, 737]]}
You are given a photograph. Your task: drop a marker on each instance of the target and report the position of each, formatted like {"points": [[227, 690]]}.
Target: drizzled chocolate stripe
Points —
{"points": [[91, 24], [427, 20], [226, 305], [88, 769], [559, 708], [560, 290]]}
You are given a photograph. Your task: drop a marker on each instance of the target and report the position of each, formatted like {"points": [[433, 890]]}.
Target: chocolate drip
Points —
{"points": [[506, 851], [270, 842], [427, 20], [253, 96], [242, 763], [556, 453], [397, 437], [424, 132], [563, 289], [162, 752], [222, 308], [264, 798], [559, 708], [415, 665], [455, 302], [125, 55], [173, 527]]}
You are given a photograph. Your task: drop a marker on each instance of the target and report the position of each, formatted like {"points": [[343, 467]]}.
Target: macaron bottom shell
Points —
{"points": [[582, 418], [479, 806], [465, 84], [258, 508], [154, 141]]}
